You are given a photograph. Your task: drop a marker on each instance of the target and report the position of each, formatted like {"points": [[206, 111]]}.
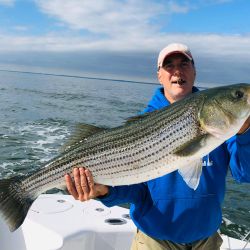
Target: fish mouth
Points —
{"points": [[179, 81]]}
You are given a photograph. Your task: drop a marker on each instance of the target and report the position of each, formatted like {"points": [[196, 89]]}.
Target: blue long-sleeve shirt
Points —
{"points": [[166, 208]]}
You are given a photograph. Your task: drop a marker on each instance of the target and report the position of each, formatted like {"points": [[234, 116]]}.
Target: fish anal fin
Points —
{"points": [[191, 173]]}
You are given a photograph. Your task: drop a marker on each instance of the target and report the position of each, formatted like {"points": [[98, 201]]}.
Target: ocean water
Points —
{"points": [[38, 112]]}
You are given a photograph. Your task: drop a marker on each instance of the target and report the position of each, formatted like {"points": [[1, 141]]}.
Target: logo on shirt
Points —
{"points": [[207, 162]]}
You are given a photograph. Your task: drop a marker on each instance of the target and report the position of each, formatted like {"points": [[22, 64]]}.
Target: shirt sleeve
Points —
{"points": [[239, 149], [125, 194]]}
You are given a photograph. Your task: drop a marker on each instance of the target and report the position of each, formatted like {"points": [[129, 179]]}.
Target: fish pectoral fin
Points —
{"points": [[191, 147], [82, 131], [191, 173]]}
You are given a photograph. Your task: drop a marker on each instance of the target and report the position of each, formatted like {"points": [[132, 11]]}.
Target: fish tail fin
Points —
{"points": [[14, 204]]}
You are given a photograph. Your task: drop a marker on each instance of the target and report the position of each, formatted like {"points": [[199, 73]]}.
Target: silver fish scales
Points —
{"points": [[142, 150], [147, 147]]}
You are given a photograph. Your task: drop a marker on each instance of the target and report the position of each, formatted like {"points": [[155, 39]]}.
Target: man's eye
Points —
{"points": [[168, 66], [184, 64]]}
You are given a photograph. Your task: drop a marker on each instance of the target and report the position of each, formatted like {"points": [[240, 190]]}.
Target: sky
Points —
{"points": [[118, 33]]}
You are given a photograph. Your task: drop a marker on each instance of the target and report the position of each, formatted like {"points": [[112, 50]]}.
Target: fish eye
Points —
{"points": [[238, 94]]}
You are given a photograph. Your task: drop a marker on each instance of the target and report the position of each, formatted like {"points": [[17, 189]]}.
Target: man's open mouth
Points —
{"points": [[179, 81]]}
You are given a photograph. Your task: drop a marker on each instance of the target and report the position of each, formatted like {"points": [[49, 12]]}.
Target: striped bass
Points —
{"points": [[146, 147]]}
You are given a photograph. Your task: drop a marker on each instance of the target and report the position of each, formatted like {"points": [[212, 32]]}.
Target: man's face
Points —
{"points": [[177, 76]]}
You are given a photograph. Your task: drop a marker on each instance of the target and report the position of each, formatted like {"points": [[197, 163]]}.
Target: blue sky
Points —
{"points": [[59, 25], [212, 28]]}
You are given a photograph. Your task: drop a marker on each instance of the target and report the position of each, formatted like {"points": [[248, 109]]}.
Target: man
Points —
{"points": [[167, 213]]}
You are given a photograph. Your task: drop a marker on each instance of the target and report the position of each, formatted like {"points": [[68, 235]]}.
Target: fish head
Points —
{"points": [[225, 109]]}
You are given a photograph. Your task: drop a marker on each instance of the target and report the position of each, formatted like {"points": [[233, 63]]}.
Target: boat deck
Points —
{"points": [[59, 222]]}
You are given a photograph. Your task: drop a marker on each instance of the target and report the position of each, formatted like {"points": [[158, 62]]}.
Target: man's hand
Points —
{"points": [[245, 126], [83, 186]]}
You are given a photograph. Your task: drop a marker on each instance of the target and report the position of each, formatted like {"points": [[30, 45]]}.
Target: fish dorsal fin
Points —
{"points": [[140, 117], [82, 131], [136, 118], [191, 173]]}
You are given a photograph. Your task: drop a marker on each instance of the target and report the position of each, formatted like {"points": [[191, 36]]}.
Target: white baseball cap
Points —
{"points": [[172, 49]]}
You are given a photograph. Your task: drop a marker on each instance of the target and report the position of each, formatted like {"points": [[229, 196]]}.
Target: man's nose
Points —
{"points": [[177, 70]]}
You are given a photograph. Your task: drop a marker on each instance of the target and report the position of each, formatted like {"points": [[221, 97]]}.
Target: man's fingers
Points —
{"points": [[245, 126], [83, 187], [70, 186], [78, 186], [95, 189], [90, 179], [84, 182]]}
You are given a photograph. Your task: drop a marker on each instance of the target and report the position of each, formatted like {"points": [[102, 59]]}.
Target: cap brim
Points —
{"points": [[175, 52]]}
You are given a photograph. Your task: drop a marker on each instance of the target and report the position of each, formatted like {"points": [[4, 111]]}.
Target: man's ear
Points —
{"points": [[159, 74], [194, 70]]}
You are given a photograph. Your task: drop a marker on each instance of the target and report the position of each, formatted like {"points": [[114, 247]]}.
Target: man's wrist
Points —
{"points": [[103, 193]]}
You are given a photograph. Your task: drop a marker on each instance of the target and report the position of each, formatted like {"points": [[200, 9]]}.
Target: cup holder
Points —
{"points": [[115, 221]]}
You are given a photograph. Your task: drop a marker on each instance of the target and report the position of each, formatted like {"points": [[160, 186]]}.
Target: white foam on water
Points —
{"points": [[36, 143], [8, 166], [227, 221]]}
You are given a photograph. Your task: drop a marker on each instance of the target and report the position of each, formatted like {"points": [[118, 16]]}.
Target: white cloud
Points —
{"points": [[125, 25], [108, 17], [111, 18], [20, 28], [206, 45], [9, 3], [174, 7], [218, 1]]}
